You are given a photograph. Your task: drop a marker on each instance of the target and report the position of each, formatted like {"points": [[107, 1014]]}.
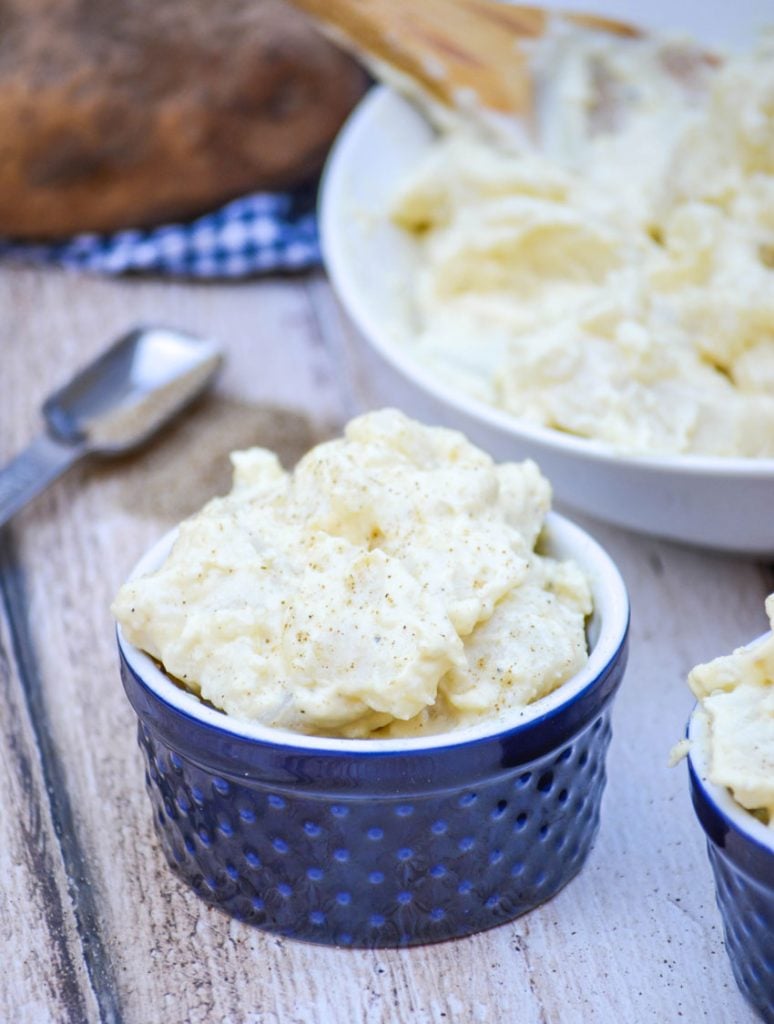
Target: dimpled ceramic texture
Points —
{"points": [[396, 851], [744, 887]]}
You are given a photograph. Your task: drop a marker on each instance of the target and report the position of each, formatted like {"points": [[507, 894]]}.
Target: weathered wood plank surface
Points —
{"points": [[94, 928]]}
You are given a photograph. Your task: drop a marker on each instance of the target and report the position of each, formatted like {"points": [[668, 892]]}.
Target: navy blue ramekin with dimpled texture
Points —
{"points": [[385, 843], [741, 853]]}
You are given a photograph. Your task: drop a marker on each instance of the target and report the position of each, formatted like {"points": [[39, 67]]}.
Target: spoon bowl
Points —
{"points": [[110, 406]]}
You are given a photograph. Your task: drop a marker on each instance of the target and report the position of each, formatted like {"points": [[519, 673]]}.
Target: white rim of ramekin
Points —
{"points": [[737, 816], [333, 243], [611, 620]]}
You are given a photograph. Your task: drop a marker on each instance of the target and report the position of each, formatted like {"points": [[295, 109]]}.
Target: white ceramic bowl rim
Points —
{"points": [[611, 617], [740, 819], [355, 302]]}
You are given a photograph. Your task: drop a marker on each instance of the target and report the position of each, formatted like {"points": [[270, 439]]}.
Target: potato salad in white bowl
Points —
{"points": [[599, 298]]}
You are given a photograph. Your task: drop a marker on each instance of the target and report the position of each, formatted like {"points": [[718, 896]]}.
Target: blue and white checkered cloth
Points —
{"points": [[258, 234]]}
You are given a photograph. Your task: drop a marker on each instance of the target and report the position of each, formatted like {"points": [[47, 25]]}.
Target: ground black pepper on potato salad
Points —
{"points": [[389, 586]]}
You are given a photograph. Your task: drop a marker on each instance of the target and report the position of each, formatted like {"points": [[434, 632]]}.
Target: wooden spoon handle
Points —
{"points": [[453, 49]]}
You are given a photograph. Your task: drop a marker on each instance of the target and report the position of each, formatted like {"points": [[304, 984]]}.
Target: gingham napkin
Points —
{"points": [[258, 234]]}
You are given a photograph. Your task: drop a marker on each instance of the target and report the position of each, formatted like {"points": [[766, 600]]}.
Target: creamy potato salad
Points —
{"points": [[614, 279], [737, 695], [389, 586]]}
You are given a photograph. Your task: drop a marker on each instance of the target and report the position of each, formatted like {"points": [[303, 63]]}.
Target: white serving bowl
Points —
{"points": [[716, 502]]}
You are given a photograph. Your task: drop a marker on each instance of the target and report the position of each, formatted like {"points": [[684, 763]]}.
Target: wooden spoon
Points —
{"points": [[454, 50]]}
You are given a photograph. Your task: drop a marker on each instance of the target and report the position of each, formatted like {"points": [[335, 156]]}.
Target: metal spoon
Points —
{"points": [[111, 406]]}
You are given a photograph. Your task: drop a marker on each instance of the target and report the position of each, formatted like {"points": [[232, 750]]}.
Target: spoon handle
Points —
{"points": [[454, 49], [32, 470]]}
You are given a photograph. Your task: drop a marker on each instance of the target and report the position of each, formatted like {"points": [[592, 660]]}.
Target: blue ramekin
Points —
{"points": [[385, 842], [741, 852]]}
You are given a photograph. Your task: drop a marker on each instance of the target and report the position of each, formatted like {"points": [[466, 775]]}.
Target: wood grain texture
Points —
{"points": [[50, 978], [453, 49], [634, 939]]}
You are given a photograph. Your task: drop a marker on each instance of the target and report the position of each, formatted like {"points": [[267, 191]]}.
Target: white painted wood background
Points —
{"points": [[94, 928]]}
